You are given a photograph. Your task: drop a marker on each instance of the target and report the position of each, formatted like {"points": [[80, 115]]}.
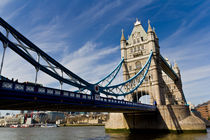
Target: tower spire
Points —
{"points": [[149, 27], [122, 36]]}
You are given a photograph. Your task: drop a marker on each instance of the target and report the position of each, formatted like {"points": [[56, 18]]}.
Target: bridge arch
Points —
{"points": [[143, 96]]}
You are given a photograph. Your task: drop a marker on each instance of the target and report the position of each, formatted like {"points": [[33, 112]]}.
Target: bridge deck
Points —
{"points": [[21, 96]]}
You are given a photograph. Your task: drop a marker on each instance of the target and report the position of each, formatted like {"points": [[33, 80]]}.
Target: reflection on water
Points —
{"points": [[89, 133], [171, 136]]}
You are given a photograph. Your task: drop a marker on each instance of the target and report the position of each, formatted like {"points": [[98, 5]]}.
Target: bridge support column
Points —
{"points": [[130, 122], [167, 118], [179, 118]]}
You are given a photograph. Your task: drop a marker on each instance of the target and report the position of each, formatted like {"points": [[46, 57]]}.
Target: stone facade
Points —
{"points": [[158, 85], [173, 113]]}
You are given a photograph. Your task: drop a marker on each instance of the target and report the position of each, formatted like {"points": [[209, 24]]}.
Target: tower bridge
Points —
{"points": [[145, 72]]}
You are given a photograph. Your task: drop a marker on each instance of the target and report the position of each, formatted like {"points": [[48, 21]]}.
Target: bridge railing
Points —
{"points": [[40, 90]]}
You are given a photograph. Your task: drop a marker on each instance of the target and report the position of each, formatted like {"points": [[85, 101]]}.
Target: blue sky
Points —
{"points": [[85, 36]]}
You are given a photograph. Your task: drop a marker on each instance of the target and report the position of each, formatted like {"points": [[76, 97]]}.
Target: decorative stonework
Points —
{"points": [[135, 51]]}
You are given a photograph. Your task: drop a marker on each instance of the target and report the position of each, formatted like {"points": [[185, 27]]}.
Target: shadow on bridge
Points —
{"points": [[174, 119], [172, 101]]}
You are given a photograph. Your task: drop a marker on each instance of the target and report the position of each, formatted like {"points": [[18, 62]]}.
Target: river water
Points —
{"points": [[89, 133]]}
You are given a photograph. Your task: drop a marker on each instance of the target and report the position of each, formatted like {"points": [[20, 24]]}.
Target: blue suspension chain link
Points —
{"points": [[109, 78], [129, 84]]}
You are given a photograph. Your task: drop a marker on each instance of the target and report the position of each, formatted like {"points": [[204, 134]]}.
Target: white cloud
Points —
{"points": [[3, 3], [48, 37], [88, 61], [17, 68], [15, 12], [196, 73], [96, 12]]}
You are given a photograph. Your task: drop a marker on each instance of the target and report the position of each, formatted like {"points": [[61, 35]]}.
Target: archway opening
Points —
{"points": [[145, 99], [142, 97]]}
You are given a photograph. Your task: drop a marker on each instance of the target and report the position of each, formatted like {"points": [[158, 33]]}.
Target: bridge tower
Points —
{"points": [[162, 83], [135, 52], [158, 84]]}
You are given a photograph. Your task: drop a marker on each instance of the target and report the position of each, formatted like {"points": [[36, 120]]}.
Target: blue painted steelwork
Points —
{"points": [[111, 75], [146, 66], [4, 24], [117, 69], [171, 69], [74, 80], [19, 91]]}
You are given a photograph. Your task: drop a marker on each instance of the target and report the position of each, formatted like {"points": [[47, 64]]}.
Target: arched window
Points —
{"points": [[138, 40], [142, 39], [130, 68], [131, 49], [134, 41], [138, 65]]}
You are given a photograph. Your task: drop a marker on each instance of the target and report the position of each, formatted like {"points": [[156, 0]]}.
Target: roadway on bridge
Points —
{"points": [[20, 96]]}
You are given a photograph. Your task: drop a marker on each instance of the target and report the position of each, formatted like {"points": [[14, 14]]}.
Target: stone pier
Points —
{"points": [[168, 118], [162, 83]]}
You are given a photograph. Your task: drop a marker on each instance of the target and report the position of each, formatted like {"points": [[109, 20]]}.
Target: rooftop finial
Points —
{"points": [[137, 22], [175, 64]]}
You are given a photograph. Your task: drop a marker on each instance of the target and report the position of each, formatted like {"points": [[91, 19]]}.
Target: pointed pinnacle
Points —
{"points": [[122, 36], [149, 27]]}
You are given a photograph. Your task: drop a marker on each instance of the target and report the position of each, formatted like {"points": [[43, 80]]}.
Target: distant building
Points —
{"points": [[53, 116], [12, 120], [204, 110]]}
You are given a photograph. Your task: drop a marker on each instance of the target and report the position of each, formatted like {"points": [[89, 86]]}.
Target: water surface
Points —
{"points": [[89, 133]]}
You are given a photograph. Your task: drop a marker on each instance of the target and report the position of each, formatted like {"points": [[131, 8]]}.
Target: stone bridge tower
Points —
{"points": [[158, 85], [163, 85]]}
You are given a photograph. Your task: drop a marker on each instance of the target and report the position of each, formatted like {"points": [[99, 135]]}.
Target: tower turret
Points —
{"points": [[123, 46], [150, 32], [151, 39]]}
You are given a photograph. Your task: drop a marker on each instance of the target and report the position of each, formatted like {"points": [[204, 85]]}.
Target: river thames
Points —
{"points": [[89, 133]]}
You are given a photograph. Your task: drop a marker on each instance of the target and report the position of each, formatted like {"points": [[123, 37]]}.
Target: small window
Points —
{"points": [[134, 41], [130, 67], [142, 39], [138, 40], [134, 49], [138, 65], [131, 49]]}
